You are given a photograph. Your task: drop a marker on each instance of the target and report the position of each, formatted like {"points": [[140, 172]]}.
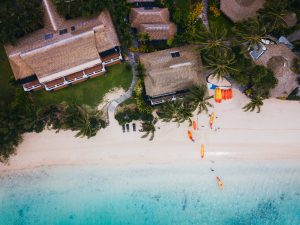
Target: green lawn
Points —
{"points": [[89, 92], [6, 76]]}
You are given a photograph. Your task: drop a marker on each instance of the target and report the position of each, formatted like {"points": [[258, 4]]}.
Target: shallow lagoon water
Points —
{"points": [[255, 193]]}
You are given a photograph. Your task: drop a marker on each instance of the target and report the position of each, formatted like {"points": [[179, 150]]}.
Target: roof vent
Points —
{"points": [[64, 31], [175, 54], [48, 36]]}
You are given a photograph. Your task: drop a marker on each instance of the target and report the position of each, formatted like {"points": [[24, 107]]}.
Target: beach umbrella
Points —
{"points": [[211, 119], [190, 135], [202, 151]]}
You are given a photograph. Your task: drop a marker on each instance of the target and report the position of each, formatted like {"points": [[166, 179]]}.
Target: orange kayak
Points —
{"points": [[190, 135], [211, 120], [220, 183], [202, 151], [194, 125]]}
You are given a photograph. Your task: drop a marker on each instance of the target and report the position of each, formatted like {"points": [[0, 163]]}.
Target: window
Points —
{"points": [[175, 54], [72, 28], [48, 36], [64, 31]]}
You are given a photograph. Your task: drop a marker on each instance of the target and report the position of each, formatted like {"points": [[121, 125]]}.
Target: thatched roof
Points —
{"points": [[36, 54], [290, 19], [52, 19], [165, 74], [145, 16], [159, 31], [279, 59], [60, 59], [238, 10]]}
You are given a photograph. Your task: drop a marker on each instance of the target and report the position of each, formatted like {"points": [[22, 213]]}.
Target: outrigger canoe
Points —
{"points": [[202, 151], [220, 183]]}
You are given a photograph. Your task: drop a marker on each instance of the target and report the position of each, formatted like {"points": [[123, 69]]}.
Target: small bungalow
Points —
{"points": [[279, 58], [64, 52], [170, 73], [238, 10], [153, 21]]}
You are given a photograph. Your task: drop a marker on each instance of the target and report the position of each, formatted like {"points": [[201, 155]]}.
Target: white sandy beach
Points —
{"points": [[272, 134]]}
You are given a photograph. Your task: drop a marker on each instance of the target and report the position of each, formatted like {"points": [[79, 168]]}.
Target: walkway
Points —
{"points": [[203, 15], [116, 102]]}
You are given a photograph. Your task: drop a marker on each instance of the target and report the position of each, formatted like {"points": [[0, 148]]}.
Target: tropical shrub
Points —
{"points": [[175, 111], [128, 114], [142, 106], [198, 99], [255, 103], [249, 33], [215, 11], [18, 18], [83, 119], [149, 128]]}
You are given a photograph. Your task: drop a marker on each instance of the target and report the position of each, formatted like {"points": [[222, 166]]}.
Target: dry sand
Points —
{"points": [[273, 134]]}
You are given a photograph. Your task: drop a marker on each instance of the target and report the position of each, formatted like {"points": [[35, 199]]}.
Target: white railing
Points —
{"points": [[66, 82], [119, 58], [32, 87]]}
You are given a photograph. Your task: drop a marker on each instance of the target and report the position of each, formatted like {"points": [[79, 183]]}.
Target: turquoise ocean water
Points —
{"points": [[255, 193]]}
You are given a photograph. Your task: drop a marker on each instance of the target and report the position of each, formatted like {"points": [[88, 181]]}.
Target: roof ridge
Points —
{"points": [[55, 19]]}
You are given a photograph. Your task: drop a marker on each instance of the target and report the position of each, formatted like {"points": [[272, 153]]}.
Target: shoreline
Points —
{"points": [[272, 134]]}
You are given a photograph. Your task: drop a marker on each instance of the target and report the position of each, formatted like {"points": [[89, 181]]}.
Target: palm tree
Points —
{"points": [[272, 14], [149, 128], [255, 103], [220, 63], [175, 111], [249, 33], [197, 97], [84, 119], [211, 40]]}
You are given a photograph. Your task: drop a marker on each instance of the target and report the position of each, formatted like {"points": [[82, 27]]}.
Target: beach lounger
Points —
{"points": [[123, 128], [134, 127], [127, 127]]}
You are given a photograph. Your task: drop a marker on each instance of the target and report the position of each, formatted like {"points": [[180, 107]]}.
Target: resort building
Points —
{"points": [[171, 73], [153, 21], [64, 52], [278, 58], [238, 10]]}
